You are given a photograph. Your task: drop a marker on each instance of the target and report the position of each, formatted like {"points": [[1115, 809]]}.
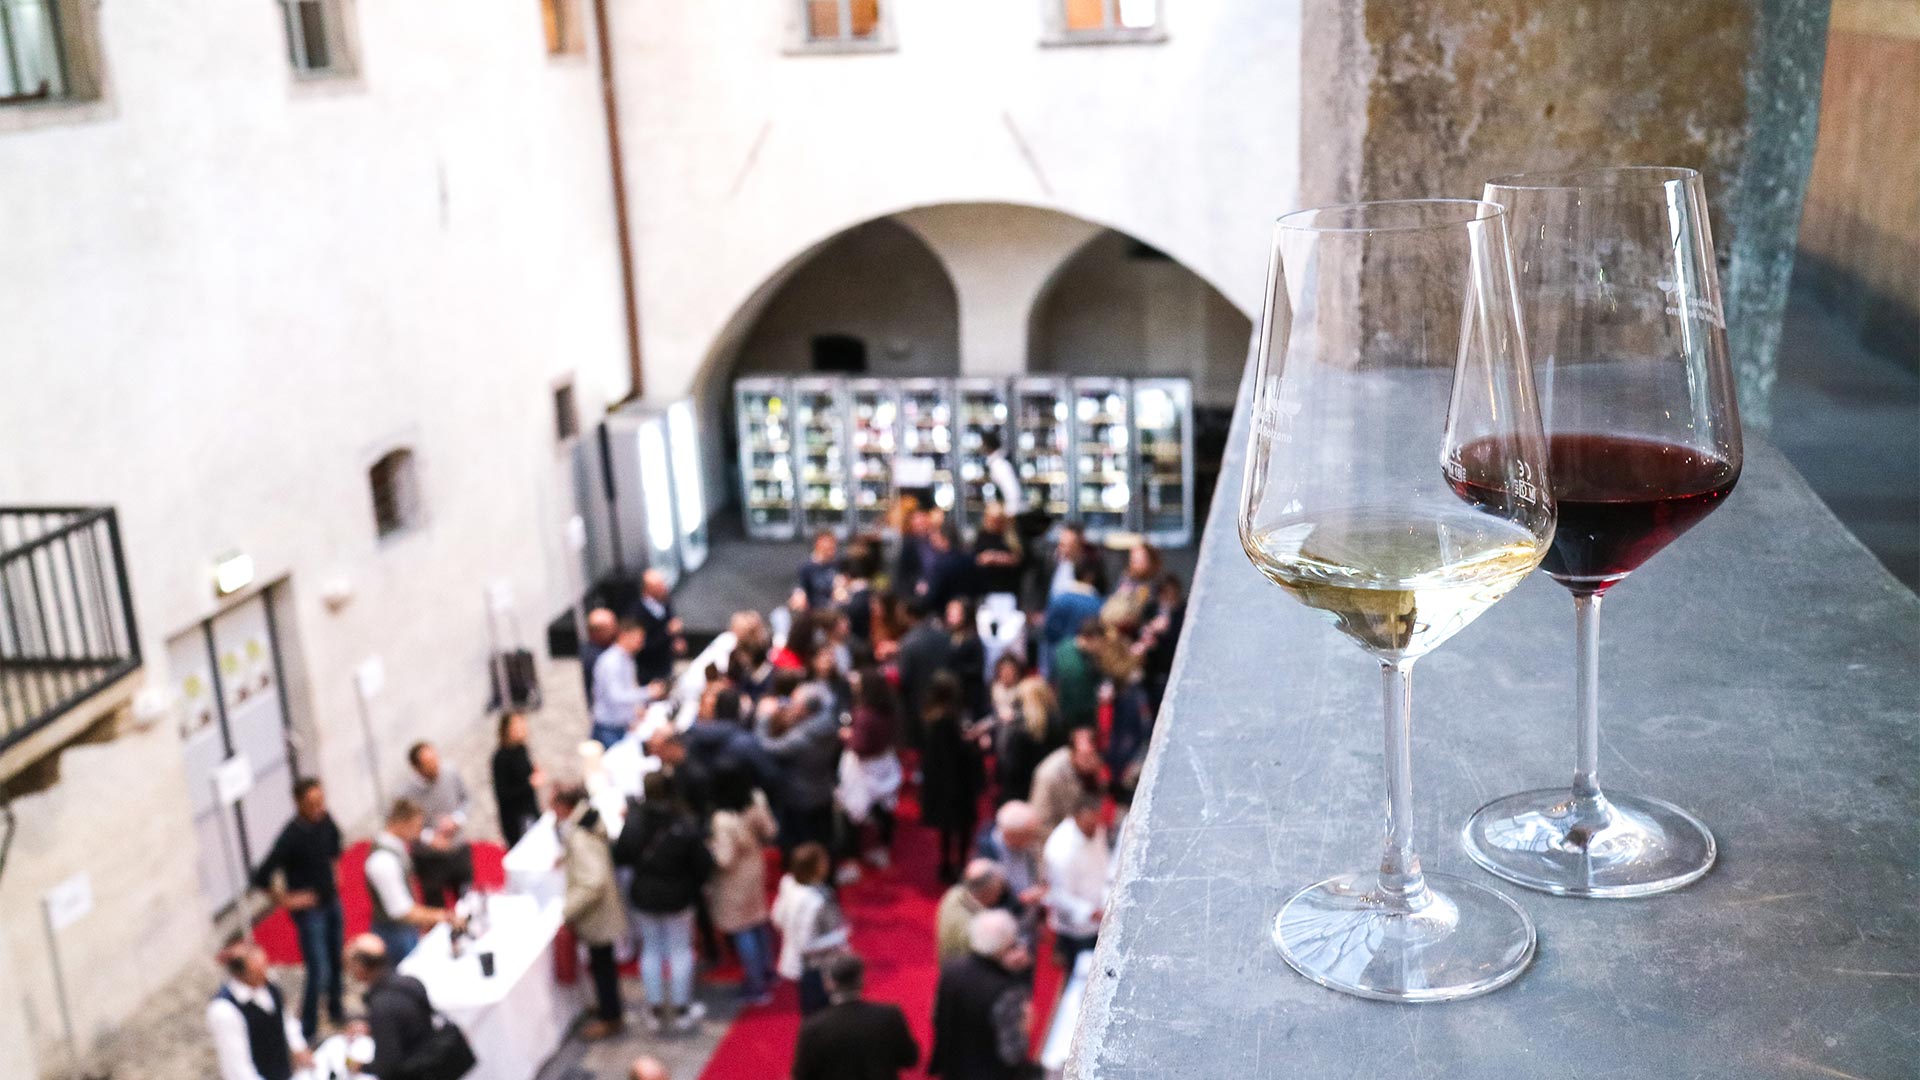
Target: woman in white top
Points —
{"points": [[812, 928]]}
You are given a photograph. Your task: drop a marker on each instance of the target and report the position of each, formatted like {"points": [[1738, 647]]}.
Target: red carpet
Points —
{"points": [[891, 912], [275, 932], [892, 915]]}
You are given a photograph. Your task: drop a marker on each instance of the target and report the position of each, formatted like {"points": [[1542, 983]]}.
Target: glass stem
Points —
{"points": [[1401, 882], [1586, 636]]}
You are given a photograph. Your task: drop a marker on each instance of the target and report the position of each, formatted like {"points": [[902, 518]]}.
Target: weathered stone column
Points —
{"points": [[1432, 98]]}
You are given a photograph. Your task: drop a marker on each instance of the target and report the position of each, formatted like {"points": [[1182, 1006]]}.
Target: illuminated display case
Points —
{"points": [[1114, 454], [690, 502], [875, 408], [1102, 455], [1163, 432], [1041, 441], [926, 457], [820, 453], [766, 457], [981, 407]]}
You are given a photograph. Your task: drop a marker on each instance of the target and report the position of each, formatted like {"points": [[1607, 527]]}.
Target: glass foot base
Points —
{"points": [[1469, 940], [1606, 846]]}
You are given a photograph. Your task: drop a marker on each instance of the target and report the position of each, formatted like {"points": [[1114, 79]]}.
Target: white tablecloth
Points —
{"points": [[518, 1017], [1066, 1017]]}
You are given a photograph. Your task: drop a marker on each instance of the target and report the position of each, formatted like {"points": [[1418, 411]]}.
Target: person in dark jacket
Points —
{"points": [[969, 658], [663, 846], [304, 859], [952, 774], [602, 627], [982, 1006], [399, 1014], [926, 649], [1161, 635], [853, 1039], [666, 640], [804, 737], [948, 573], [515, 778], [718, 740], [1072, 605], [1077, 676], [910, 565], [814, 580]]}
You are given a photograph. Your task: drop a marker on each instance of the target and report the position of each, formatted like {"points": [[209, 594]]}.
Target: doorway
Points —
{"points": [[228, 673]]}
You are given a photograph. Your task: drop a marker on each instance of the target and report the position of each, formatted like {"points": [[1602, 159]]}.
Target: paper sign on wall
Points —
{"points": [[370, 676], [233, 779], [500, 597], [70, 901]]}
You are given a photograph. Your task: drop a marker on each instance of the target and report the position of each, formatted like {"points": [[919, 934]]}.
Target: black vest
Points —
{"points": [[381, 917], [266, 1034]]}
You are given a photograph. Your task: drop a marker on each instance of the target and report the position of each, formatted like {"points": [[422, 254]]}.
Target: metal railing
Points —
{"points": [[66, 613]]}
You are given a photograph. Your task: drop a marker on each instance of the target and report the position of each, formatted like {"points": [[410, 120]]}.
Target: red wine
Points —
{"points": [[1620, 499]]}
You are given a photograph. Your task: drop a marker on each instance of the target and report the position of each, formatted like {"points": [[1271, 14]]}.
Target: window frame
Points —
{"points": [[563, 28], [565, 396], [337, 17], [1058, 33], [406, 494], [76, 46], [800, 39]]}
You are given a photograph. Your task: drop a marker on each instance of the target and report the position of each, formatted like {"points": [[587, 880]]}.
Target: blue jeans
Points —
{"points": [[399, 939], [322, 930], [608, 734], [755, 946], [667, 941]]}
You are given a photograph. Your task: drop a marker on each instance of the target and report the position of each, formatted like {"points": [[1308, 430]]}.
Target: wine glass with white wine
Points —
{"points": [[1390, 341]]}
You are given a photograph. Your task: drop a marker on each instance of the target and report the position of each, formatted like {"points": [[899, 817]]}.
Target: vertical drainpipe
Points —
{"points": [[622, 226]]}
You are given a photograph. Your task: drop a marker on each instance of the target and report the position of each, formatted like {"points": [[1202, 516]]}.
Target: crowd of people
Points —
{"points": [[871, 686]]}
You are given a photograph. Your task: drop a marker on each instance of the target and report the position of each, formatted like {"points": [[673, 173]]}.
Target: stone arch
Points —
{"points": [[1119, 305], [721, 358]]}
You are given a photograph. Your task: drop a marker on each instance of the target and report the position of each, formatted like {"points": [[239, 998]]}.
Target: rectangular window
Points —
{"points": [[396, 492], [1085, 21], [33, 54], [316, 37], [843, 21], [566, 415], [566, 34]]}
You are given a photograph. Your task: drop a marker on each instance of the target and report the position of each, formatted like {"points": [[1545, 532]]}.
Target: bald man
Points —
{"points": [[602, 627], [980, 888], [648, 1068], [399, 1016], [665, 640]]}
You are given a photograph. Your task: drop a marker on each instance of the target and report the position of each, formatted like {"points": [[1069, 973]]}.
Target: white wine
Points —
{"points": [[1398, 581]]}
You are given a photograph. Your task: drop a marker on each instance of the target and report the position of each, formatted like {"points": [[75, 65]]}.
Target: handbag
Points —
{"points": [[445, 1055]]}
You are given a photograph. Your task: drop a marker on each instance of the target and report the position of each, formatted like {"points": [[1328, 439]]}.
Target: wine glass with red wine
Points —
{"points": [[1621, 311]]}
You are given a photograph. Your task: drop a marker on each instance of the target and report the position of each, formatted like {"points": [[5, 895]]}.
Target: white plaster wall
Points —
{"points": [[743, 157], [1107, 312], [1001, 258], [878, 282], [229, 293]]}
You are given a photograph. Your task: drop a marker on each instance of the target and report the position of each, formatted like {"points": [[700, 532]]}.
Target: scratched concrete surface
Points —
{"points": [[1764, 672]]}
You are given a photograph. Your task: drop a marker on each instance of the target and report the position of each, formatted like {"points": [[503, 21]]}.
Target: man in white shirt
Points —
{"points": [[442, 856], [397, 918], [1076, 859], [254, 1036], [619, 698], [1004, 477]]}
